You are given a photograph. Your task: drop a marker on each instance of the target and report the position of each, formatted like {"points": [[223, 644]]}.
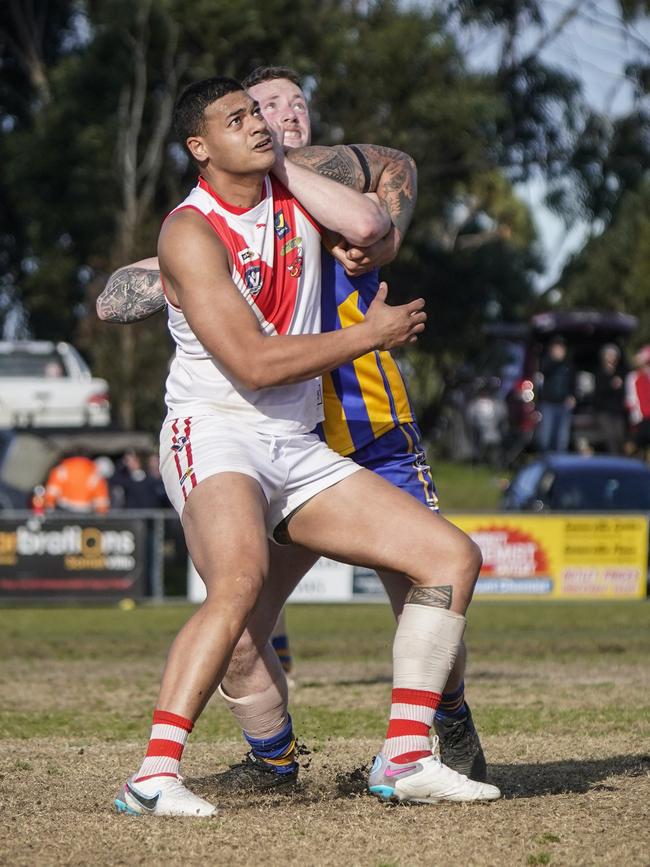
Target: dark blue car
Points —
{"points": [[570, 483]]}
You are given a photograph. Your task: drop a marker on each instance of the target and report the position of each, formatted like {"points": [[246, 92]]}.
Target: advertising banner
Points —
{"points": [[560, 556], [326, 581], [87, 557]]}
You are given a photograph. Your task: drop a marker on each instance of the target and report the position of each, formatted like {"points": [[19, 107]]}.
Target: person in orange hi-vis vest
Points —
{"points": [[75, 485]]}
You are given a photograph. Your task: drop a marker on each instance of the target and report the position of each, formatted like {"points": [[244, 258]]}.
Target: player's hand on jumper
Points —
{"points": [[360, 260], [394, 326]]}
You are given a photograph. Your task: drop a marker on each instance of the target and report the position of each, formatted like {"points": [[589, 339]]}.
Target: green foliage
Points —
{"points": [[613, 270], [90, 170]]}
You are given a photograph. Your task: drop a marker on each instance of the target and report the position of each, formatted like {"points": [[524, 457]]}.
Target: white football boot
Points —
{"points": [[161, 796], [425, 781]]}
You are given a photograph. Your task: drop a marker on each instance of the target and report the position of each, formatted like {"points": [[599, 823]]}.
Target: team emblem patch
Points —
{"points": [[295, 268], [180, 444], [247, 255], [279, 224], [253, 279], [420, 462], [291, 245]]}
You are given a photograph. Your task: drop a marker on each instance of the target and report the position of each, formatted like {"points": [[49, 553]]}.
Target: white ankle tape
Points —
{"points": [[425, 647], [262, 714]]}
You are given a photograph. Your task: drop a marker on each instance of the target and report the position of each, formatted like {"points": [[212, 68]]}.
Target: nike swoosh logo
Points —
{"points": [[147, 803], [389, 772]]}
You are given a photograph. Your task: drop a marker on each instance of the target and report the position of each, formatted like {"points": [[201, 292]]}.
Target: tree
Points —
{"points": [[612, 272], [91, 166]]}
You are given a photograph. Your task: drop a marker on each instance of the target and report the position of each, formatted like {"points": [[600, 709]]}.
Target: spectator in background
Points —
{"points": [[556, 398], [53, 370], [132, 487], [637, 395], [609, 398], [152, 466], [75, 485]]}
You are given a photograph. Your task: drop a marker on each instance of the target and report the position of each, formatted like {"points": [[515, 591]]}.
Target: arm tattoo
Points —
{"points": [[394, 178], [130, 295], [393, 175], [433, 597], [338, 163]]}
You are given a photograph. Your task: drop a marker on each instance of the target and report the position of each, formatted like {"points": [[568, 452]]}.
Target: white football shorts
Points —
{"points": [[290, 469]]}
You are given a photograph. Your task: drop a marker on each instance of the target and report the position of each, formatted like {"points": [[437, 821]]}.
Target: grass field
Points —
{"points": [[469, 487], [560, 693]]}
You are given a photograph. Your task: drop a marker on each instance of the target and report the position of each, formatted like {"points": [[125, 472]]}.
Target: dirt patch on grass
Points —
{"points": [[566, 802], [567, 740]]}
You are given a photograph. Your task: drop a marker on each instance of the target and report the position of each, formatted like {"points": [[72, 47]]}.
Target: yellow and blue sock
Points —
{"points": [[452, 704], [281, 646], [279, 751]]}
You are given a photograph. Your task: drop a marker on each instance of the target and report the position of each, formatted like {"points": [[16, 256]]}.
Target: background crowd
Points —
{"points": [[84, 485], [620, 399]]}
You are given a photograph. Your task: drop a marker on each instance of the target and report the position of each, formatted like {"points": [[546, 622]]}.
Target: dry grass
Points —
{"points": [[567, 739]]}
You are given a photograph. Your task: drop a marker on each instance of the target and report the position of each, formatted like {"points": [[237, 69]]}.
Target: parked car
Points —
{"points": [[45, 384], [506, 374], [27, 456], [570, 483]]}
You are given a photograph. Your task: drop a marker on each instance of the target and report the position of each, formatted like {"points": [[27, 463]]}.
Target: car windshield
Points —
{"points": [[30, 364], [600, 491]]}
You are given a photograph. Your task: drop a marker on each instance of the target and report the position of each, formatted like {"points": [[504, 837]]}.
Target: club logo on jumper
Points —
{"points": [[188, 472], [295, 268], [253, 279], [291, 245], [247, 255], [180, 444], [279, 224]]}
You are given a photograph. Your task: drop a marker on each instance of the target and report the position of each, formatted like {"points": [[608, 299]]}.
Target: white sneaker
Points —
{"points": [[426, 781], [161, 796]]}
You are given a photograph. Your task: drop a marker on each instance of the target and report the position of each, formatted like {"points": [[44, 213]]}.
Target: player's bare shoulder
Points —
{"points": [[187, 245]]}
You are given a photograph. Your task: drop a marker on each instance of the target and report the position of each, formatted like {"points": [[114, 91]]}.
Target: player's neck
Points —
{"points": [[242, 191]]}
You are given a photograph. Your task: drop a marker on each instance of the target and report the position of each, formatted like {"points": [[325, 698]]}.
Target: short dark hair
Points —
{"points": [[270, 73], [189, 112]]}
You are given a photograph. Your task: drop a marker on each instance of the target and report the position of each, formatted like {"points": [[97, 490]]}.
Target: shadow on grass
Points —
{"points": [[558, 778], [515, 781]]}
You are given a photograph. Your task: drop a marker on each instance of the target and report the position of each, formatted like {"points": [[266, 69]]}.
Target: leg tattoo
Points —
{"points": [[433, 597]]}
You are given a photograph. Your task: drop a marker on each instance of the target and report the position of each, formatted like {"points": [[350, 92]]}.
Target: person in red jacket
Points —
{"points": [[75, 485], [637, 393]]}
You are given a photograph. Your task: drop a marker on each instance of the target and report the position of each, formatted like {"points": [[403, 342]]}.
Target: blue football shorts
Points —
{"points": [[398, 456]]}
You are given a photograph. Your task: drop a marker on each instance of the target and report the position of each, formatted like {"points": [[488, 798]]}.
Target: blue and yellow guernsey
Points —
{"points": [[367, 397]]}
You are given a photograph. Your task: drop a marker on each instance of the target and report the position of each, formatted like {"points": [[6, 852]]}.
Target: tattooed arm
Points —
{"points": [[391, 173], [132, 293], [135, 292], [339, 207]]}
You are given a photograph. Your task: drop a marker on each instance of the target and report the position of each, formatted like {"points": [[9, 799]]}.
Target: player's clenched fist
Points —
{"points": [[394, 326]]}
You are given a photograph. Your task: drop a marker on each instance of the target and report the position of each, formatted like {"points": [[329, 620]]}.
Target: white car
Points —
{"points": [[45, 384]]}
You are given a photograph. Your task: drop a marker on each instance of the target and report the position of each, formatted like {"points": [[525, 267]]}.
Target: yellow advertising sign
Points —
{"points": [[560, 556]]}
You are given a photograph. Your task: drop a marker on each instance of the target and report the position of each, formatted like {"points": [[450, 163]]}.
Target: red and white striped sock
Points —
{"points": [[169, 734], [411, 718], [424, 651]]}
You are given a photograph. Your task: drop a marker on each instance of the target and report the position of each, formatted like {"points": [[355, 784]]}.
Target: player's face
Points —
{"points": [[283, 103], [237, 138]]}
